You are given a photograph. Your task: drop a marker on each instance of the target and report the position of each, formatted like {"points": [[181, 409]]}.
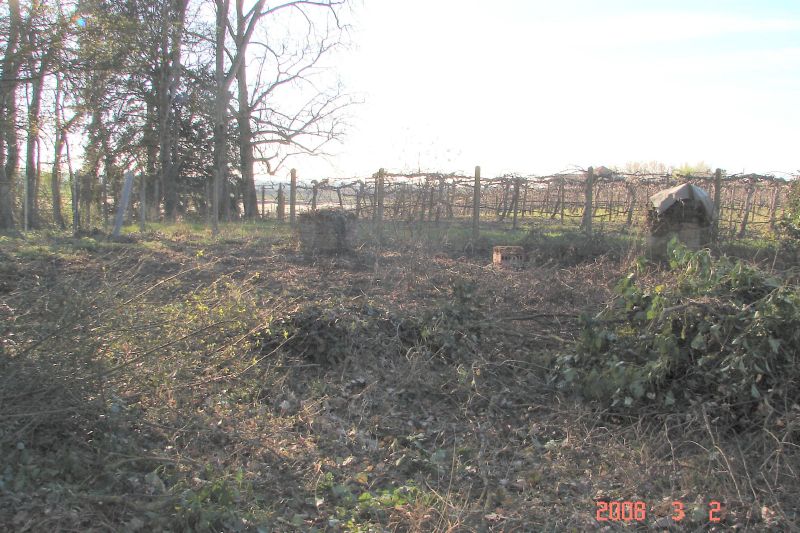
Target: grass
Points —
{"points": [[176, 381]]}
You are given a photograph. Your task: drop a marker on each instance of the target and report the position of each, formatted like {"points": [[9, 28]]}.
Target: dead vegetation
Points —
{"points": [[326, 231], [176, 384]]}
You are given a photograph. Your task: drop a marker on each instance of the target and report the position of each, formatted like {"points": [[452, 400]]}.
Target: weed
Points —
{"points": [[719, 333]]}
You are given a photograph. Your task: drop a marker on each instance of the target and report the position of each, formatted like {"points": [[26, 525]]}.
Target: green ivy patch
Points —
{"points": [[719, 332]]}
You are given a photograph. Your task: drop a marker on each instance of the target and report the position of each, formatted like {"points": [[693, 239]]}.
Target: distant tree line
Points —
{"points": [[193, 93]]}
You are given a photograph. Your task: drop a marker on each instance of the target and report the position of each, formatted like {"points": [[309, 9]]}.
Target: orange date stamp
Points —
{"points": [[636, 511]]}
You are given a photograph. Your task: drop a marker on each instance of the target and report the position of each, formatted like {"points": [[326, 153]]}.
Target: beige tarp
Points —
{"points": [[663, 200]]}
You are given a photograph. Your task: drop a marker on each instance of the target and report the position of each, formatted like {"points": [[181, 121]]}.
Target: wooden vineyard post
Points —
{"points": [[281, 203], [773, 207], [263, 205], [525, 198], [314, 196], [502, 206], [751, 187], [431, 199], [439, 199], [400, 199], [292, 197], [632, 204], [586, 223], [379, 204], [514, 203], [558, 198], [717, 201], [476, 206], [451, 199], [419, 204], [732, 210]]}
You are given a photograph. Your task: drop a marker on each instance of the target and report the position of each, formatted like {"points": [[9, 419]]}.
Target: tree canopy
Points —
{"points": [[194, 96]]}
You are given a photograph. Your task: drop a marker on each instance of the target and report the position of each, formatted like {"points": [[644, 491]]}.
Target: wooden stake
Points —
{"points": [[747, 205], [379, 204], [292, 197], [586, 223], [476, 206], [717, 202]]}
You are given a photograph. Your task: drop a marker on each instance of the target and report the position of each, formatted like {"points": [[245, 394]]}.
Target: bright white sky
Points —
{"points": [[538, 86]]}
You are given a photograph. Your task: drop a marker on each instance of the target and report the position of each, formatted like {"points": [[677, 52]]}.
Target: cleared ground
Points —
{"points": [[175, 382]]}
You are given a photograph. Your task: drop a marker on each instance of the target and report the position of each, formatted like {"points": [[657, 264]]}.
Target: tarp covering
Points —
{"points": [[663, 200]]}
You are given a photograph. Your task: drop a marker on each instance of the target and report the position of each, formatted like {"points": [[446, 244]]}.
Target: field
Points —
{"points": [[175, 381]]}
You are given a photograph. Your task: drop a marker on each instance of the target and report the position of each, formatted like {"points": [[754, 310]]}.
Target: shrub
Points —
{"points": [[328, 333], [573, 247], [326, 231], [721, 332]]}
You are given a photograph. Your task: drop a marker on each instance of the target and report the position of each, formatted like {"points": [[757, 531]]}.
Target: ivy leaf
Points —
{"points": [[669, 398], [439, 456], [340, 491], [699, 342], [775, 344]]}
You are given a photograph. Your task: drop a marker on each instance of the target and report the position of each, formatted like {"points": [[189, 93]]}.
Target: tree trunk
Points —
{"points": [[161, 83], [32, 197], [171, 41], [220, 107], [586, 223], [91, 164], [245, 129], [150, 157], [748, 203], [55, 176], [8, 107]]}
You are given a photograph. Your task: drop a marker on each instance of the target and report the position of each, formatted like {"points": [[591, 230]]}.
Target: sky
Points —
{"points": [[540, 86]]}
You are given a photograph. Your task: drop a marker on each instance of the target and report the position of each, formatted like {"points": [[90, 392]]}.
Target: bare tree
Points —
{"points": [[43, 41], [173, 18], [116, 74], [274, 124], [292, 109], [244, 116], [9, 152]]}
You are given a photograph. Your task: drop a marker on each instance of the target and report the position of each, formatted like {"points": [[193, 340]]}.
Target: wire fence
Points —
{"points": [[747, 204]]}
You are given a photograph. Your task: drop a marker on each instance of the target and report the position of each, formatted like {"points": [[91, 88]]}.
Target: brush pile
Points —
{"points": [[326, 231], [715, 333]]}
